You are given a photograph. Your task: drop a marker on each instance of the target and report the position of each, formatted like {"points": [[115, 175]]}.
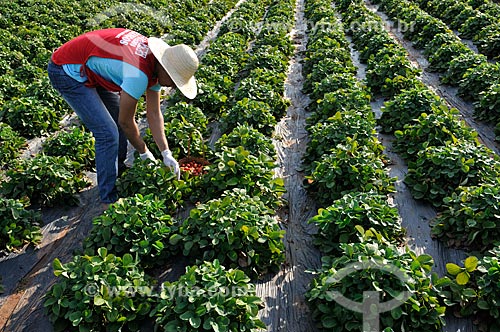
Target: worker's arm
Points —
{"points": [[126, 120], [155, 119]]}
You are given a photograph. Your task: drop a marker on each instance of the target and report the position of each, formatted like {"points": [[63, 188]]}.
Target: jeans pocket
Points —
{"points": [[60, 80]]}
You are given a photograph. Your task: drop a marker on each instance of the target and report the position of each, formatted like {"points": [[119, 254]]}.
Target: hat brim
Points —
{"points": [[158, 47]]}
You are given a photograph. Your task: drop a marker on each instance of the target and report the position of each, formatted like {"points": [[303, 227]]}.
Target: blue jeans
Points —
{"points": [[98, 109]]}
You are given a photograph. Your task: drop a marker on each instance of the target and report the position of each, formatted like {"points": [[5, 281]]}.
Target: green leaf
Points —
{"points": [[328, 321], [453, 269], [102, 252], [463, 278], [471, 263], [195, 322], [98, 300], [57, 266], [174, 239], [482, 304], [397, 312], [127, 260], [187, 315]]}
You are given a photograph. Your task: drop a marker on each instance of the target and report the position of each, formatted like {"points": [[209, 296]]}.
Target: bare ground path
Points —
{"points": [[286, 308]]}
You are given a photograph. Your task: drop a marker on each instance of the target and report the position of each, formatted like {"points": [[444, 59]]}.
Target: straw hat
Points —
{"points": [[180, 62]]}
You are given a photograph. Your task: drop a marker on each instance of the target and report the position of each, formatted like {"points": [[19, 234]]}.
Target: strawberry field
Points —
{"points": [[334, 148]]}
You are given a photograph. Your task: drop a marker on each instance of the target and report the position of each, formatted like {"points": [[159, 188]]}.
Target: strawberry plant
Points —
{"points": [[249, 138], [436, 128], [270, 89], [370, 42], [187, 112], [255, 113], [331, 83], [460, 287], [487, 108], [99, 292], [437, 8], [236, 229], [487, 7], [238, 168], [463, 16], [488, 41], [209, 297], [146, 177], [45, 180], [10, 144], [459, 65], [325, 68], [185, 127], [453, 11], [41, 89], [213, 91], [267, 57], [383, 269], [325, 47], [138, 225], [240, 26], [340, 100], [439, 170], [424, 21], [478, 79], [389, 72], [470, 217], [316, 11], [257, 89], [339, 222], [335, 130], [18, 225], [77, 145], [489, 290], [434, 27], [233, 46], [474, 24], [440, 58], [406, 106], [472, 290], [347, 168], [10, 86], [271, 78], [29, 118]]}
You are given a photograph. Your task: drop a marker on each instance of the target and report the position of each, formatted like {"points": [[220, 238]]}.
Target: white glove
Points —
{"points": [[147, 155], [129, 160], [170, 161]]}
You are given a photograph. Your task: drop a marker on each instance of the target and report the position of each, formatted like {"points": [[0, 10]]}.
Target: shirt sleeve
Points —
{"points": [[135, 84], [156, 87], [128, 77]]}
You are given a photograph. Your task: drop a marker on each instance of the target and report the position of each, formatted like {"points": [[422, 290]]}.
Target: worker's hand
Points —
{"points": [[147, 155], [170, 161]]}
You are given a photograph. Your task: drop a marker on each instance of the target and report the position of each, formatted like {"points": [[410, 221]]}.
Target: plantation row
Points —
{"points": [[477, 79], [446, 167], [475, 20]]}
